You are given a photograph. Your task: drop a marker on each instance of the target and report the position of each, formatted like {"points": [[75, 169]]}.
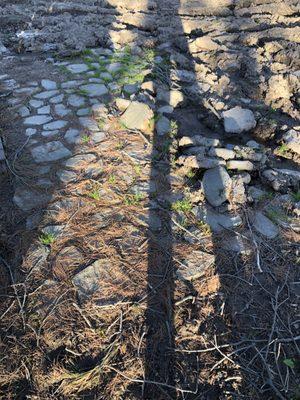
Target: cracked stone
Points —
{"points": [[77, 162], [51, 151], [61, 110], [216, 186]]}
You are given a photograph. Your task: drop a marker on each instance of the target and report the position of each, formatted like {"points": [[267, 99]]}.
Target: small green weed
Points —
{"points": [[47, 239], [133, 199], [112, 179], [94, 194], [296, 196], [283, 149], [85, 139], [184, 206]]}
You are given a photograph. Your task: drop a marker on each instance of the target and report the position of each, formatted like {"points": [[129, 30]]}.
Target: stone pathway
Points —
{"points": [[102, 169]]}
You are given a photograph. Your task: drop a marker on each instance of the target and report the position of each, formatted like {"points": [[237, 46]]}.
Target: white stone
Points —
{"points": [[30, 131], [238, 120]]}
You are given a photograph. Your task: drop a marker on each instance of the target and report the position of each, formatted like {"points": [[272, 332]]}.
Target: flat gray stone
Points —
{"points": [[57, 99], [78, 68], [49, 133], [23, 111], [77, 162], [98, 137], [238, 120], [27, 199], [76, 101], [73, 136], [196, 265], [71, 84], [47, 94], [55, 125], [89, 124], [66, 176], [89, 280], [44, 110], [48, 85], [83, 112], [36, 103], [61, 110], [217, 222], [51, 151], [37, 120], [163, 126], [216, 185], [137, 116], [95, 89], [131, 89], [264, 225]]}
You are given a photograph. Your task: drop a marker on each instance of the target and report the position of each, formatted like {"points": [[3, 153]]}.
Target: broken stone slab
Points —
{"points": [[216, 186], [51, 151], [94, 278], [226, 154], [71, 84], [89, 123], [66, 176], [248, 153], [196, 265], [217, 222], [198, 140], [37, 120], [79, 161], [137, 116], [27, 199], [236, 244], [200, 162], [95, 89], [281, 180], [238, 120], [240, 165], [264, 225], [99, 110]]}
